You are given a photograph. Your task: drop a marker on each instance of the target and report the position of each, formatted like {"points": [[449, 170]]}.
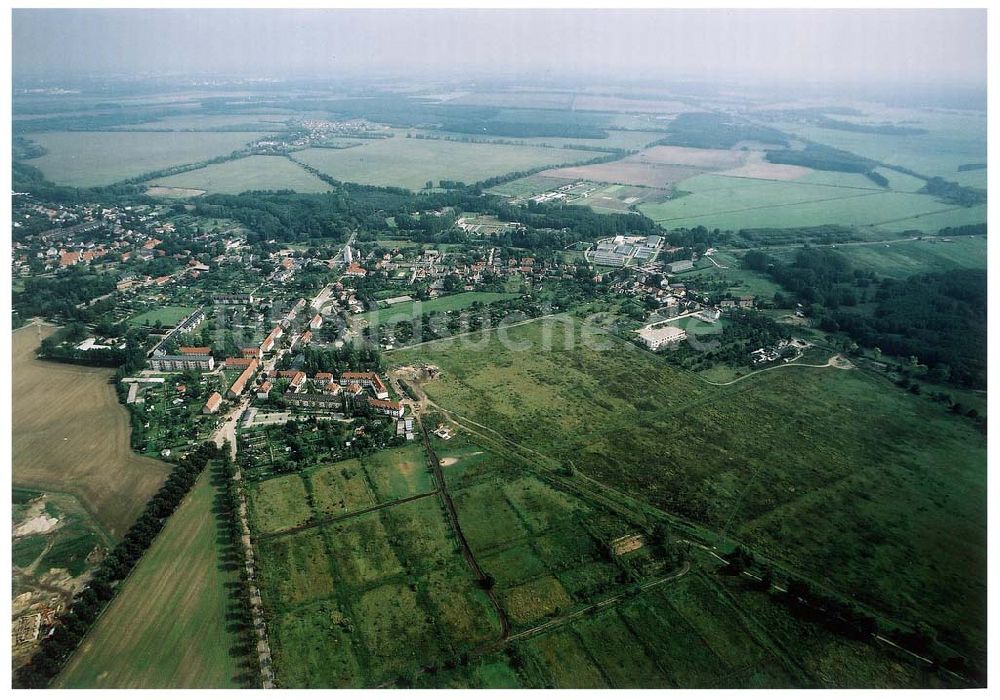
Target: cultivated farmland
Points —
{"points": [[245, 174], [410, 163], [733, 203], [70, 434], [88, 158]]}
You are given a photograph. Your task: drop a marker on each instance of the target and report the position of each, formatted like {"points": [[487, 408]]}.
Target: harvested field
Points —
{"points": [[70, 434], [625, 172], [757, 167], [174, 192], [704, 158]]}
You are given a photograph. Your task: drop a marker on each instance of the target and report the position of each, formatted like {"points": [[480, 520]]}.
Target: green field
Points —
{"points": [[717, 201], [407, 310], [89, 158], [166, 315], [246, 174], [168, 626], [893, 516], [410, 163], [953, 139]]}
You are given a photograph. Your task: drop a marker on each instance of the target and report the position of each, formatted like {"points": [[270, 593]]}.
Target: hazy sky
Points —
{"points": [[794, 45]]}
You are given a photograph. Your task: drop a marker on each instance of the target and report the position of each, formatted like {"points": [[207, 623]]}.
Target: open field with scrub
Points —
{"points": [[70, 434], [875, 518], [410, 163], [90, 158], [168, 627]]}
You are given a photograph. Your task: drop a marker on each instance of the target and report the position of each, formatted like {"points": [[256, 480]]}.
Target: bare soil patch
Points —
{"points": [[625, 172]]}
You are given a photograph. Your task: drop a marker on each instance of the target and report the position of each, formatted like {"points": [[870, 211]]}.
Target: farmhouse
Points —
{"points": [[655, 338], [213, 403]]}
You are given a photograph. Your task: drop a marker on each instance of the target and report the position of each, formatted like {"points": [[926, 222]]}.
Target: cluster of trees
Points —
{"points": [[73, 624], [746, 331], [881, 129], [937, 317], [820, 157], [60, 294], [351, 357], [954, 193], [820, 235], [816, 276], [714, 130]]}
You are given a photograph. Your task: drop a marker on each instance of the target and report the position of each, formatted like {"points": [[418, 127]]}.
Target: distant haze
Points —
{"points": [[825, 46]]}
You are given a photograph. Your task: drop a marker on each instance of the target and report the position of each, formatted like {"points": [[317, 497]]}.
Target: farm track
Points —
{"points": [[343, 516], [470, 558]]}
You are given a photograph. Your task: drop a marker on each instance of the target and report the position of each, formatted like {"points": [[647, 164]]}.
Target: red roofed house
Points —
{"points": [[251, 352], [307, 337], [316, 322], [240, 362], [323, 378], [367, 379], [213, 403], [195, 351], [241, 383], [389, 408], [264, 390]]}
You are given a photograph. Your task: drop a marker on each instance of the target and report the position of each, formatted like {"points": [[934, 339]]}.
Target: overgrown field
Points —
{"points": [[89, 158], [70, 434], [245, 174], [410, 163], [889, 510], [169, 626], [905, 258]]}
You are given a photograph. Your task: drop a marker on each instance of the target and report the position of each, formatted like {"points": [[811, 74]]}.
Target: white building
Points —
{"points": [[656, 338]]}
